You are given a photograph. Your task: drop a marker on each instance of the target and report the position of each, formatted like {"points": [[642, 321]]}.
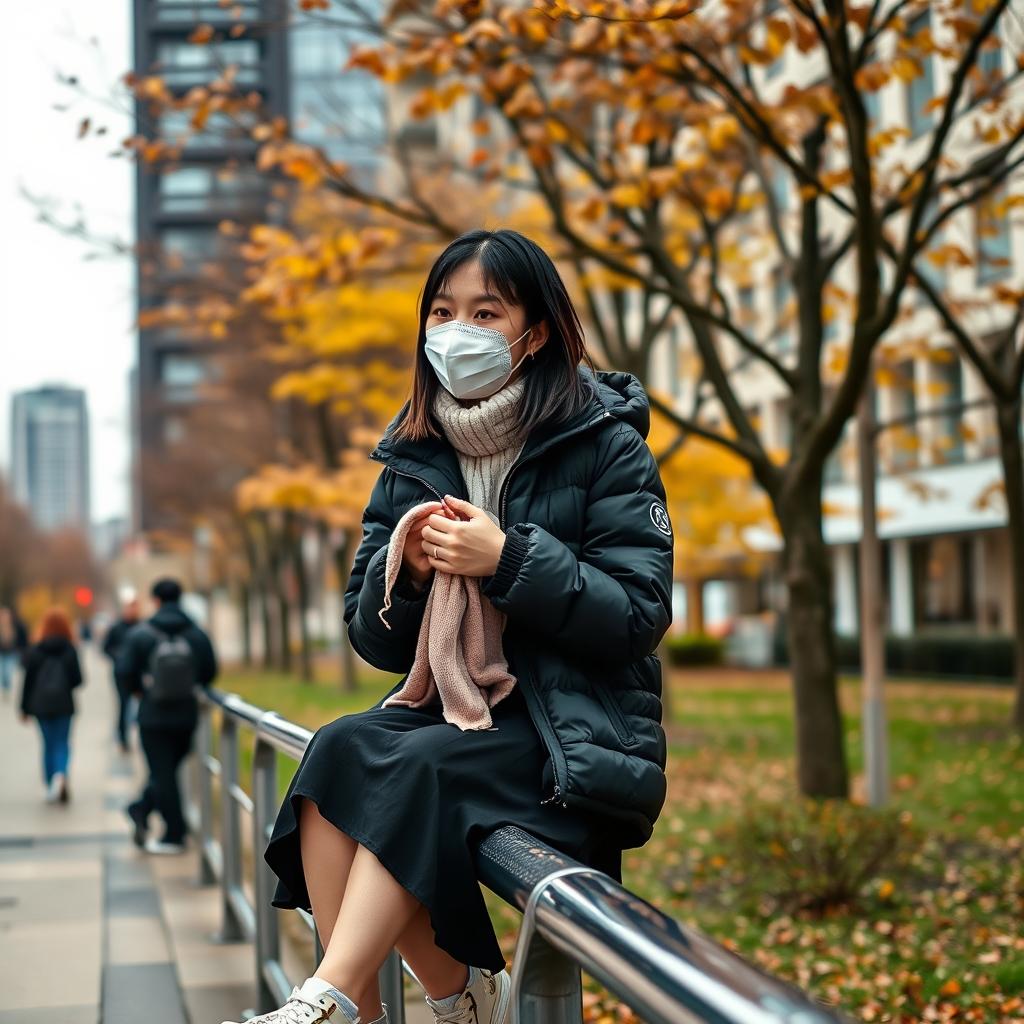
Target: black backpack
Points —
{"points": [[50, 694], [172, 670]]}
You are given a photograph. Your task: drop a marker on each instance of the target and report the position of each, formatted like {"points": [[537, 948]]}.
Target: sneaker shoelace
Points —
{"points": [[297, 1010]]}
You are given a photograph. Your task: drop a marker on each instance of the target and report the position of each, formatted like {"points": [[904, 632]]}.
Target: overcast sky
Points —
{"points": [[64, 318]]}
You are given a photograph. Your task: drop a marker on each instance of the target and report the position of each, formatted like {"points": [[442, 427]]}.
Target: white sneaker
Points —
{"points": [[306, 1005], [162, 849], [55, 789], [484, 1001]]}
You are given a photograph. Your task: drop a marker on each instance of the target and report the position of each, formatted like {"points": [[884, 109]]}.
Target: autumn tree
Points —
{"points": [[668, 152], [671, 156]]}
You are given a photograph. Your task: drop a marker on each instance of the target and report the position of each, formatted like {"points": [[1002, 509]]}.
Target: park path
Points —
{"points": [[91, 930]]}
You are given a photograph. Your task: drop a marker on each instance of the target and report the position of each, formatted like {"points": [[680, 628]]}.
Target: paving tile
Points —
{"points": [[138, 902], [31, 948], [153, 986], [49, 1014], [136, 940]]}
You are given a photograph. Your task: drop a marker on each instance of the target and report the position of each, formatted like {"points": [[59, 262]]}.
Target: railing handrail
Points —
{"points": [[574, 916]]}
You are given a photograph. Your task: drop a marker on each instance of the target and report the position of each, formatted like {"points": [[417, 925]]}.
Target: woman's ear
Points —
{"points": [[538, 338]]}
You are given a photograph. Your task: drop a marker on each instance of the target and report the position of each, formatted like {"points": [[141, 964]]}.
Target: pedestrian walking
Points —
{"points": [[13, 642], [113, 644], [52, 672], [516, 566], [163, 660]]}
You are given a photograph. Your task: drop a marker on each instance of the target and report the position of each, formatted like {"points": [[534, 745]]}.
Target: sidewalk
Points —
{"points": [[91, 930]]}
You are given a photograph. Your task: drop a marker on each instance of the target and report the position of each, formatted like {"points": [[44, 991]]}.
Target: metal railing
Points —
{"points": [[574, 917]]}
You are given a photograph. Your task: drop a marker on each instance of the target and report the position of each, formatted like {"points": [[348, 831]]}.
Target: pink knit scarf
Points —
{"points": [[458, 652]]}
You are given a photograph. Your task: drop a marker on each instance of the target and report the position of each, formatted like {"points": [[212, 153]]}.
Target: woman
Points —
{"points": [[51, 673], [520, 506]]}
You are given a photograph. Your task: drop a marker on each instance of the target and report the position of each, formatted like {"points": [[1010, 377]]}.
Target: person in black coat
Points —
{"points": [[52, 671], [113, 642], [521, 466], [166, 727], [13, 642]]}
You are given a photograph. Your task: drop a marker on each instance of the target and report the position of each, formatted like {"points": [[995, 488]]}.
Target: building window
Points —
{"points": [[181, 374], [779, 185], [782, 295], [182, 64], [943, 581], [902, 435], [947, 375], [992, 236], [921, 89]]}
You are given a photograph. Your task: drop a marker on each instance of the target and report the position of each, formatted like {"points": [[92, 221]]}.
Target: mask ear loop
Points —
{"points": [[528, 353]]}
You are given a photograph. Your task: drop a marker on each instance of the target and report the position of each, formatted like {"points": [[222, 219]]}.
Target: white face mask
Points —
{"points": [[471, 361]]}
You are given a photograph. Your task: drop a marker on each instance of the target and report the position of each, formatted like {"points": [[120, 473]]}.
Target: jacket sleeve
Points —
{"points": [[130, 663], [206, 660], [394, 649], [110, 641], [613, 602], [74, 668], [28, 680]]}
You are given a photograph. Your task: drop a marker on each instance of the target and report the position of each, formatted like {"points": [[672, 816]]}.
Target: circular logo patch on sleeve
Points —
{"points": [[659, 516]]}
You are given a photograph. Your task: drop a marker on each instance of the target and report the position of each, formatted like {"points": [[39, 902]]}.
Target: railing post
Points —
{"points": [[551, 991], [204, 786], [268, 939], [230, 831], [391, 988]]}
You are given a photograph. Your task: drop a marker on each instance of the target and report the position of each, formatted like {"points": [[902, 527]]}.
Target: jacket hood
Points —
{"points": [[169, 618], [620, 394], [54, 645], [624, 397]]}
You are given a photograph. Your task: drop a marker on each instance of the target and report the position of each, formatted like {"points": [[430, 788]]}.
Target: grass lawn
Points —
{"points": [[911, 915]]}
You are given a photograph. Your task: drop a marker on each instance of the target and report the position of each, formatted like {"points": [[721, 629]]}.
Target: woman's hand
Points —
{"points": [[414, 556], [468, 546]]}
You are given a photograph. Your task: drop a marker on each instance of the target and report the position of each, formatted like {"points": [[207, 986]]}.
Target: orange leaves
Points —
{"points": [[430, 101], [907, 68], [314, 5], [201, 35], [524, 103], [948, 256]]}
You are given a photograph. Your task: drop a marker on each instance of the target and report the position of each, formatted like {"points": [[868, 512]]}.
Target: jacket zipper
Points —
{"points": [[558, 793], [412, 476]]}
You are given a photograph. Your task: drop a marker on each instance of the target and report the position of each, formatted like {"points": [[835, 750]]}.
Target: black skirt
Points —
{"points": [[420, 794]]}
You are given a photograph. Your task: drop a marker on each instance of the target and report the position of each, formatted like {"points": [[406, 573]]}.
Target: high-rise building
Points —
{"points": [[294, 63], [50, 455]]}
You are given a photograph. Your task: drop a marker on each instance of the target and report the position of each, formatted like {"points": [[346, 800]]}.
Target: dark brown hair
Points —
{"points": [[520, 272], [55, 623]]}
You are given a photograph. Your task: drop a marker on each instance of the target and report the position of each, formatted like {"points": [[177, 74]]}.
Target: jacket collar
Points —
{"points": [[435, 461]]}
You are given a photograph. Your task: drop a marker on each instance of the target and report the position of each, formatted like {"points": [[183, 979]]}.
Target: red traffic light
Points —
{"points": [[83, 597]]}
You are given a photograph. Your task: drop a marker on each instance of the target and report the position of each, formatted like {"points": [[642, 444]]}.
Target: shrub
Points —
{"points": [[814, 856], [695, 649]]}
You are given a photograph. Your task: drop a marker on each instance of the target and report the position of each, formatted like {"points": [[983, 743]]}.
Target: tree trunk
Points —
{"points": [[342, 561], [277, 564], [294, 537], [820, 744], [1011, 454], [259, 576], [694, 605], [245, 611]]}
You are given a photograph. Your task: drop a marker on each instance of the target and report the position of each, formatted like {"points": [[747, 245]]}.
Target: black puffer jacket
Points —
{"points": [[585, 578], [132, 664], [59, 654]]}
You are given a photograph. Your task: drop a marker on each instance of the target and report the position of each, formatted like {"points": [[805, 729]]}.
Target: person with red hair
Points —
{"points": [[52, 671]]}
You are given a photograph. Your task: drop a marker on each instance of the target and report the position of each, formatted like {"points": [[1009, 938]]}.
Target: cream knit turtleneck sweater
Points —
{"points": [[487, 438]]}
